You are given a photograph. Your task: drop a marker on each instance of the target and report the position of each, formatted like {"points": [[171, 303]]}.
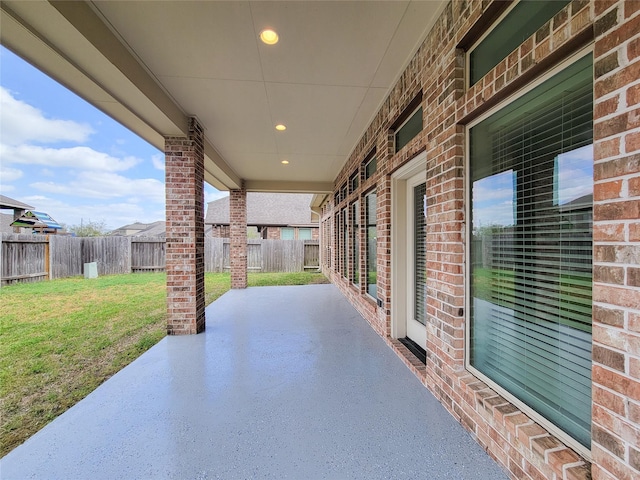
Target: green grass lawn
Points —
{"points": [[59, 340]]}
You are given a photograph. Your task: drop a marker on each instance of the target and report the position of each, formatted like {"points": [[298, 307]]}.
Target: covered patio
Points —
{"points": [[286, 382]]}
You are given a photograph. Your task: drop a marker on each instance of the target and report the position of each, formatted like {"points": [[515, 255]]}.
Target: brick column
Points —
{"points": [[616, 242], [184, 169], [238, 247]]}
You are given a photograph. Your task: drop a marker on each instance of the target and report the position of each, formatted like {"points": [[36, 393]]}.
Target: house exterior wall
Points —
{"points": [[437, 71], [221, 231], [272, 233]]}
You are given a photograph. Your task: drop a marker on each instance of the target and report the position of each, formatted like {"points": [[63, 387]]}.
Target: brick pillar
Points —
{"points": [[616, 242], [238, 246], [184, 168]]}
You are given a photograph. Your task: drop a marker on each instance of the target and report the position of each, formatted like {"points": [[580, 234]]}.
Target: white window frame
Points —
{"points": [[553, 429]]}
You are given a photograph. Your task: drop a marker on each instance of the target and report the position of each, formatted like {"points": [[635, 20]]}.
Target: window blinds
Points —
{"points": [[531, 262], [420, 254]]}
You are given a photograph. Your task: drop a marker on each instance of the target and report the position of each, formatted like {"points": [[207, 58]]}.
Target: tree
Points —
{"points": [[88, 229]]}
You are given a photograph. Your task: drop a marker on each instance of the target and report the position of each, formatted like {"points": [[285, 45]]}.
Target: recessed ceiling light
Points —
{"points": [[280, 127], [268, 36], [285, 162]]}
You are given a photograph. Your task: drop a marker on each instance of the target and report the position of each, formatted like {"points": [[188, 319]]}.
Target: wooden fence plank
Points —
{"points": [[112, 254], [22, 258], [66, 256], [148, 254]]}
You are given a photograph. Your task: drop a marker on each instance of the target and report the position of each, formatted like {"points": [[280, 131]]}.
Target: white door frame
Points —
{"points": [[400, 236]]}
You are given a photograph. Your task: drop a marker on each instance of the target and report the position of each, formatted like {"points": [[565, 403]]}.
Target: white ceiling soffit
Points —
{"points": [[152, 64]]}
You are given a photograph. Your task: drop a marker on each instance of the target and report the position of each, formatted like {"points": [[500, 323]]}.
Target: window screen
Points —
{"points": [[531, 167]]}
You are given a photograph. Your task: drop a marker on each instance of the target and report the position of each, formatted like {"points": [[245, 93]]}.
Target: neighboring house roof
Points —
{"points": [[154, 229], [7, 202], [266, 209], [33, 219], [133, 228]]}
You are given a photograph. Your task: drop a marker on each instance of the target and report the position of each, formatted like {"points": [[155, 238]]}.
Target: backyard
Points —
{"points": [[61, 339]]}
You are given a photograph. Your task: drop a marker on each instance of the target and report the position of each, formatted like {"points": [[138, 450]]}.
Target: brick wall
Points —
{"points": [[184, 172], [437, 73], [616, 292], [221, 231], [238, 239]]}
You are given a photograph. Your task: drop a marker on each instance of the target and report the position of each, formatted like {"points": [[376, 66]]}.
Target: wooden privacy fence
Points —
{"points": [[30, 258]]}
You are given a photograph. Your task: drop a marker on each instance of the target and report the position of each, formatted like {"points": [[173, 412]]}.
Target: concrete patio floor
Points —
{"points": [[286, 382]]}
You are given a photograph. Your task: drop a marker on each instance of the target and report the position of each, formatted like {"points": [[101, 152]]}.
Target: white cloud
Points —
{"points": [[21, 123], [74, 157], [8, 174], [211, 194], [496, 214], [158, 161], [91, 184], [7, 188]]}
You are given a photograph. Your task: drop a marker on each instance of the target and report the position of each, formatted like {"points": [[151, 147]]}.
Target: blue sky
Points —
{"points": [[494, 196], [68, 159]]}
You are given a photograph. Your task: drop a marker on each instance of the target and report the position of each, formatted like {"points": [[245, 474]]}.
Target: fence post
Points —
{"points": [[47, 258]]}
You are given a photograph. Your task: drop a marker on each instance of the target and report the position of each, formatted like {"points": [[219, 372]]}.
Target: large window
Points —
{"points": [[531, 174], [355, 242], [509, 33], [344, 232], [372, 244]]}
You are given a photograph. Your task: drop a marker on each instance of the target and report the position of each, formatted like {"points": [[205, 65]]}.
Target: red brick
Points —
{"points": [[633, 49], [606, 107], [634, 413], [606, 148], [608, 232], [614, 36], [629, 210], [609, 400], [559, 458], [578, 472], [608, 441], [617, 167], [618, 80], [611, 464], [631, 7], [607, 190], [632, 142], [616, 382], [609, 358]]}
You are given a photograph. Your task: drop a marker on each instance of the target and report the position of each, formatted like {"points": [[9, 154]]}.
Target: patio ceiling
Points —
{"points": [[152, 64]]}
